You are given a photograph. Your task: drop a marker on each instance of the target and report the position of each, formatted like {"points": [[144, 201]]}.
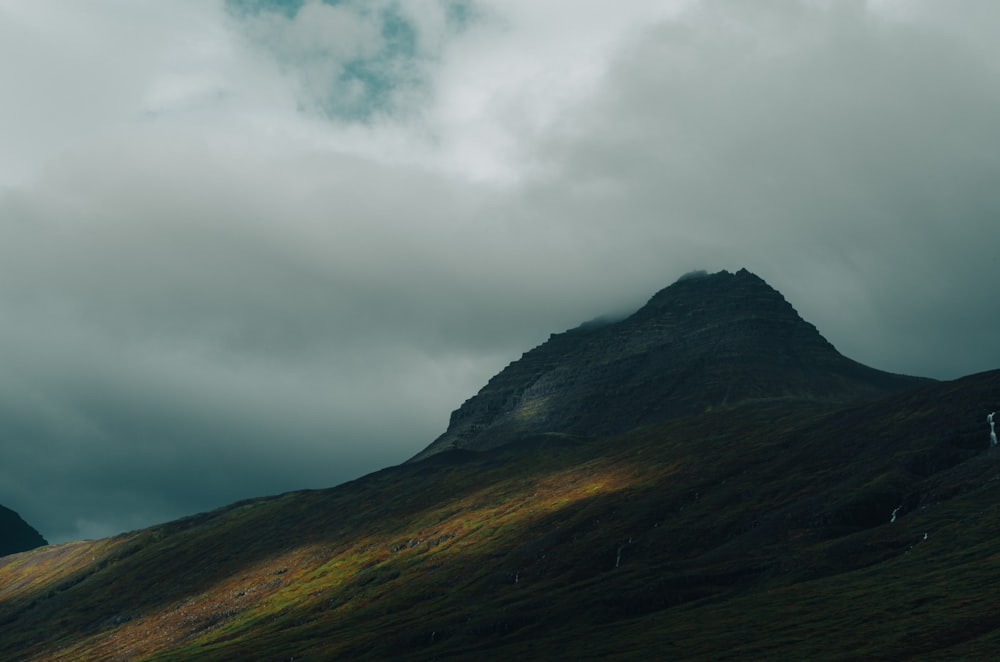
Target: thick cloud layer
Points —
{"points": [[248, 247]]}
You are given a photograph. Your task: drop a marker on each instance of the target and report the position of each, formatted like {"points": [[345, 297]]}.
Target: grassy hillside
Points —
{"points": [[755, 532]]}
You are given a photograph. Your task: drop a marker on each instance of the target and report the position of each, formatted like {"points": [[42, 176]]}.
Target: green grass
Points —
{"points": [[745, 533]]}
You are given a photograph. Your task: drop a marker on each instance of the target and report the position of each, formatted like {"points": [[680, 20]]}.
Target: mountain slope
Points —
{"points": [[16, 535], [780, 506], [705, 341], [759, 531]]}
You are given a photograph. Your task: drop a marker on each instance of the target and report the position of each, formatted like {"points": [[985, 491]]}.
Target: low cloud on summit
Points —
{"points": [[249, 247]]}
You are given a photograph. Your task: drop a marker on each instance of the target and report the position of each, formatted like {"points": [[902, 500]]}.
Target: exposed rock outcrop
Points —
{"points": [[708, 340]]}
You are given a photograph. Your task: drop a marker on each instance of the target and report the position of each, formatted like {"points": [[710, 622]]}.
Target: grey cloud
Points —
{"points": [[183, 329], [196, 310], [811, 143]]}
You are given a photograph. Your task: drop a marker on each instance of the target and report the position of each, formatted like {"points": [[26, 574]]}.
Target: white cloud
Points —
{"points": [[515, 75]]}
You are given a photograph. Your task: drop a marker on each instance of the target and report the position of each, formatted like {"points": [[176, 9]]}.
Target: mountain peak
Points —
{"points": [[705, 341], [720, 293]]}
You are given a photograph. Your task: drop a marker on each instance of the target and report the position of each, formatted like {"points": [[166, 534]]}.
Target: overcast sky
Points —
{"points": [[261, 245]]}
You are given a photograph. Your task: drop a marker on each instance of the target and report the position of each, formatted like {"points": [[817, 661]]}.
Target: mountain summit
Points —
{"points": [[805, 516], [707, 341]]}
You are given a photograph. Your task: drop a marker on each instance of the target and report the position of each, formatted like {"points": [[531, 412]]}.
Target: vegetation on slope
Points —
{"points": [[758, 531]]}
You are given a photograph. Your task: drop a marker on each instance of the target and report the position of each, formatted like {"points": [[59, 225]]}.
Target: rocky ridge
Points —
{"points": [[706, 341]]}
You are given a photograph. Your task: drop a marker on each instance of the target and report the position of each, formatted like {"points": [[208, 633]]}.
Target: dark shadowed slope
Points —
{"points": [[706, 341], [16, 535], [706, 480], [780, 530]]}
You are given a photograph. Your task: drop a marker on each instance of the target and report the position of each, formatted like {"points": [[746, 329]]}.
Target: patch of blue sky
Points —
{"points": [[381, 83], [458, 12], [287, 8]]}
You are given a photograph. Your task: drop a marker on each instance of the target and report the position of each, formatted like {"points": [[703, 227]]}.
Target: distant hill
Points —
{"points": [[706, 341], [16, 535], [802, 507]]}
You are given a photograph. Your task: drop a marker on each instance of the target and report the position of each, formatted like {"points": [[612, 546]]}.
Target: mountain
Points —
{"points": [[16, 535], [706, 341], [794, 524]]}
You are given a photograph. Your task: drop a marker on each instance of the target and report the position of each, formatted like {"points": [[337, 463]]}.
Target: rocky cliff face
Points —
{"points": [[16, 535], [706, 341]]}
